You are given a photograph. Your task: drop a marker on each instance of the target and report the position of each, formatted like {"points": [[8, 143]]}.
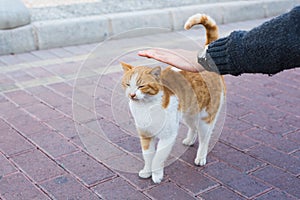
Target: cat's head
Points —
{"points": [[141, 83]]}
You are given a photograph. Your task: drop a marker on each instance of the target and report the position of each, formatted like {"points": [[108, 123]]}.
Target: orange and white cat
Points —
{"points": [[159, 99]]}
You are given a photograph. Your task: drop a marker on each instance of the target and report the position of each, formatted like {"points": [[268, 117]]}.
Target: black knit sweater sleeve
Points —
{"points": [[269, 48]]}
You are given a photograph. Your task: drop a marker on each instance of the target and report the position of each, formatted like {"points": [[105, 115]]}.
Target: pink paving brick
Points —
{"points": [[113, 132], [280, 179], [238, 159], [276, 158], [6, 167], [189, 178], [26, 124], [39, 73], [88, 170], [275, 194], [20, 76], [62, 88], [220, 192], [130, 144], [3, 125], [16, 186], [139, 183], [22, 98], [116, 189], [245, 185], [236, 125], [274, 140], [12, 142], [67, 187], [237, 139], [82, 114], [37, 165], [9, 110], [64, 125], [43, 112], [169, 190], [50, 97], [295, 136], [278, 127], [52, 143]]}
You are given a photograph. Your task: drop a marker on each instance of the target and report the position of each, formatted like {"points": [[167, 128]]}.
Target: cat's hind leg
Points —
{"points": [[191, 121], [204, 134]]}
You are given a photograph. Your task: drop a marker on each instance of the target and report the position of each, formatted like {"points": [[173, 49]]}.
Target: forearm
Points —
{"points": [[269, 48]]}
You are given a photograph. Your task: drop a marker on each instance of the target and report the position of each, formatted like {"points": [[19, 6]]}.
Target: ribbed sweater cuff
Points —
{"points": [[217, 56]]}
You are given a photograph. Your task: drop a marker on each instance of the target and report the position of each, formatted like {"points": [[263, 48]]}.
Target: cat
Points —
{"points": [[159, 99]]}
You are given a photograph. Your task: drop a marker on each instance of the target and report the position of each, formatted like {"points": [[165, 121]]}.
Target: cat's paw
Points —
{"points": [[157, 176], [145, 173], [200, 161], [188, 142]]}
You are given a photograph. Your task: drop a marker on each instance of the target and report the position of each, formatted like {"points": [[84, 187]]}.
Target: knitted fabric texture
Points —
{"points": [[269, 48]]}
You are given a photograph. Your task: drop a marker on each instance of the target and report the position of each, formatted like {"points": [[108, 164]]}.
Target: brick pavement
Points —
{"points": [[67, 135]]}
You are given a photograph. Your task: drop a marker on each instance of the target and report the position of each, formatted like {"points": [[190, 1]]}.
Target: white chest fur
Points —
{"points": [[151, 118]]}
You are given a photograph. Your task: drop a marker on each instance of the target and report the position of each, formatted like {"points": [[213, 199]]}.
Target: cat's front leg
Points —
{"points": [[164, 148], [148, 149]]}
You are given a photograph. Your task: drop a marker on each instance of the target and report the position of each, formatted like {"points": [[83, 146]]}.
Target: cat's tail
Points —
{"points": [[210, 25]]}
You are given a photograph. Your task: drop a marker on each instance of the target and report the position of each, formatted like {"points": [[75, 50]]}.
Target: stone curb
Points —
{"points": [[76, 31]]}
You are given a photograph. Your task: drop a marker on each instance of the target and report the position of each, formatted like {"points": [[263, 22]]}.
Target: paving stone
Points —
{"points": [[86, 168], [20, 76], [109, 129], [275, 194], [43, 112], [237, 181], [238, 159], [237, 125], [5, 167], [63, 89], [3, 125], [64, 125], [27, 125], [220, 192], [52, 143], [278, 127], [139, 183], [82, 114], [280, 179], [169, 190], [67, 187], [237, 139], [274, 140], [16, 186], [22, 98], [12, 142], [9, 110], [130, 144], [107, 190], [37, 165], [189, 178], [276, 158]]}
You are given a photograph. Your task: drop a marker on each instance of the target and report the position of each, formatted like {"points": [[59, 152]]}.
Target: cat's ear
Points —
{"points": [[126, 67], [156, 71]]}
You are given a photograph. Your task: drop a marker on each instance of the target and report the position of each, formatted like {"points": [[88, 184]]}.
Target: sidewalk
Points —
{"points": [[56, 105]]}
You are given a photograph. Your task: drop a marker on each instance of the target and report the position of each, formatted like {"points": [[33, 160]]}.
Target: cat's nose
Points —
{"points": [[132, 95]]}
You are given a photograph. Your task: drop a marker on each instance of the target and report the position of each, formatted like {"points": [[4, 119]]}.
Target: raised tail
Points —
{"points": [[210, 25]]}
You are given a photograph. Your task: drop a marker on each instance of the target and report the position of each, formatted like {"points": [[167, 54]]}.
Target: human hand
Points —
{"points": [[182, 59]]}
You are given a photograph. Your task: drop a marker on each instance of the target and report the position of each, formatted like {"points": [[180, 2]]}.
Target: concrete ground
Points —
{"points": [[65, 131]]}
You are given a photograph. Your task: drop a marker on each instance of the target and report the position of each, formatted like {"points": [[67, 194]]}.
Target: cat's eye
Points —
{"points": [[141, 86], [128, 84]]}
